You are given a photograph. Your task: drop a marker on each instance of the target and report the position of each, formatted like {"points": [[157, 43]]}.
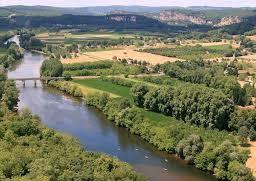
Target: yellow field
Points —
{"points": [[127, 53], [252, 37], [205, 44]]}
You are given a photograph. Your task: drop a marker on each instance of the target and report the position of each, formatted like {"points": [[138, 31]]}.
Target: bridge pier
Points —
{"points": [[35, 83], [23, 82]]}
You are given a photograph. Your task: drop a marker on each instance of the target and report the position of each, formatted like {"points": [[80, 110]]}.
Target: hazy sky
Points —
{"points": [[80, 3]]}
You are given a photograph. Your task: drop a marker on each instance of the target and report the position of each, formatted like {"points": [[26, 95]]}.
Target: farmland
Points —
{"points": [[122, 54], [76, 37], [193, 52]]}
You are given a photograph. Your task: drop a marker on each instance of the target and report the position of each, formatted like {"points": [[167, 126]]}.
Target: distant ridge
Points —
{"points": [[102, 10], [199, 15]]}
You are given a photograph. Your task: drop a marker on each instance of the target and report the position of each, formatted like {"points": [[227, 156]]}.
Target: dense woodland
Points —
{"points": [[219, 76]]}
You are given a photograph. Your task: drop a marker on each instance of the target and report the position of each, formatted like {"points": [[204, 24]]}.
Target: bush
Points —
{"points": [[139, 91], [118, 81], [189, 148], [51, 68]]}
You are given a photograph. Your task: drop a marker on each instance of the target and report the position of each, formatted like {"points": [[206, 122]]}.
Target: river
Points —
{"points": [[70, 116]]}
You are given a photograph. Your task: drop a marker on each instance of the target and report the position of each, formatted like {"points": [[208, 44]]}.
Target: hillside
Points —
{"points": [[97, 10], [117, 22], [210, 16]]}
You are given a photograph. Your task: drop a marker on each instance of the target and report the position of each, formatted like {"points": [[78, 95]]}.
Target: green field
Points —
{"points": [[160, 80], [106, 87], [2, 51], [77, 37], [193, 52]]}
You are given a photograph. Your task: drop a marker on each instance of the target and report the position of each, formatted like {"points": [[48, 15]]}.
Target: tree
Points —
{"points": [[51, 68], [3, 75], [188, 148], [231, 69], [238, 172], [138, 92], [10, 95]]}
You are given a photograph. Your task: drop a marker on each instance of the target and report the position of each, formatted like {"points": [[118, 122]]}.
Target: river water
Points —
{"points": [[70, 116]]}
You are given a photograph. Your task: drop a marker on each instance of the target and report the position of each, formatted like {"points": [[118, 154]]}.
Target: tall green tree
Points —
{"points": [[51, 68]]}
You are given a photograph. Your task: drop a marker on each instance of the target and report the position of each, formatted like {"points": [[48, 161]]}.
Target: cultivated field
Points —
{"points": [[252, 37], [194, 52], [65, 37], [205, 44], [127, 54]]}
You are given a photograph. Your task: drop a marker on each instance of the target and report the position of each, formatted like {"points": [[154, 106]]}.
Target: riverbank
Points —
{"points": [[162, 131]]}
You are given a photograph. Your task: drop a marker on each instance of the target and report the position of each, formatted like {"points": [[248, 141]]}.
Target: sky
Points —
{"points": [[84, 3]]}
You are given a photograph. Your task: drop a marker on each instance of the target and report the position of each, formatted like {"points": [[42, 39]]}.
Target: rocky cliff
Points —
{"points": [[175, 17]]}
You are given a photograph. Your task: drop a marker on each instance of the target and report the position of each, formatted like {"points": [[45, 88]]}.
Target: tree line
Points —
{"points": [[194, 104], [104, 68]]}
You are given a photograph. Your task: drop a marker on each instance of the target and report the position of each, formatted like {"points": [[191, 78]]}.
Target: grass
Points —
{"points": [[2, 51], [86, 90], [105, 87]]}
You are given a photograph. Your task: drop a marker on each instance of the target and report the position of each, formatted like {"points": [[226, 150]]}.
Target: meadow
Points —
{"points": [[101, 85]]}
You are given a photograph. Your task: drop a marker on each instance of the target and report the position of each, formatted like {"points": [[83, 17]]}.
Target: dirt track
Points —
{"points": [[251, 162]]}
